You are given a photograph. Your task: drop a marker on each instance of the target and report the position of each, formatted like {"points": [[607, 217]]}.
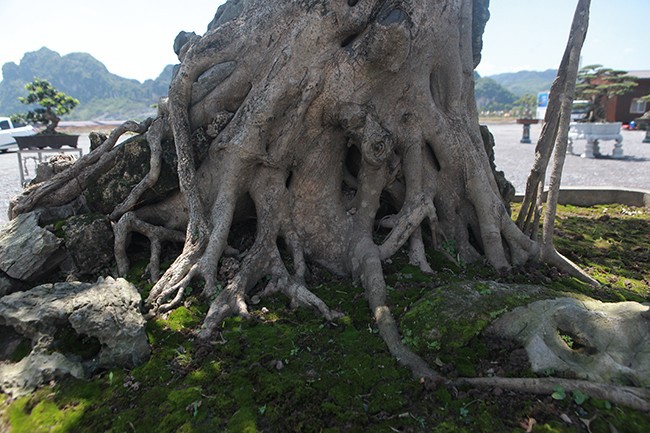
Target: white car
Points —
{"points": [[8, 131]]}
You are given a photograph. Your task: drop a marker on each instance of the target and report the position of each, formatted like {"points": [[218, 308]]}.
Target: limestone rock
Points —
{"points": [[9, 285], [27, 251], [130, 166], [89, 241], [107, 310], [54, 165], [32, 371], [604, 342]]}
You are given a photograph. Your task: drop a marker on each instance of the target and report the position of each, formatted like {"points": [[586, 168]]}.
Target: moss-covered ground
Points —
{"points": [[288, 371]]}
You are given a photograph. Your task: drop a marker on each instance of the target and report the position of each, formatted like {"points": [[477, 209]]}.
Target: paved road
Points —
{"points": [[513, 157], [10, 174], [516, 159]]}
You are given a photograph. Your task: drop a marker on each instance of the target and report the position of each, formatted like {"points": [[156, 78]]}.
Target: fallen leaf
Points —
{"points": [[528, 424], [564, 417]]}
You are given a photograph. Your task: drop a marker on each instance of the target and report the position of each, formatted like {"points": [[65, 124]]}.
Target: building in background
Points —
{"points": [[626, 108]]}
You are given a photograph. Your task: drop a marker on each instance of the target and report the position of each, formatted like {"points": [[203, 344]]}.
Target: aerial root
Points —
{"points": [[70, 183], [553, 257], [230, 302], [130, 223], [636, 398], [405, 224], [174, 281], [417, 255], [372, 279], [262, 260], [154, 138]]}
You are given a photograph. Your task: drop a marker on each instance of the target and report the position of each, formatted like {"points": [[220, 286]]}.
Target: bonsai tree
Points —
{"points": [[597, 85], [524, 107], [53, 104]]}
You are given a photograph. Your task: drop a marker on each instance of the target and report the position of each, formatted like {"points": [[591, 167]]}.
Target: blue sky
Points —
{"points": [[532, 35], [134, 38]]}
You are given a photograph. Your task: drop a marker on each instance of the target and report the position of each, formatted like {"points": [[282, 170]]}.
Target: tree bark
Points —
{"points": [[334, 118]]}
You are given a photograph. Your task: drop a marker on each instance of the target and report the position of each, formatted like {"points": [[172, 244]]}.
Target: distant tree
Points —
{"points": [[493, 96], [597, 85], [53, 104], [524, 107]]}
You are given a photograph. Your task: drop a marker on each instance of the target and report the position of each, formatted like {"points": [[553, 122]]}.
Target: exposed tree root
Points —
{"points": [[636, 398], [154, 137], [69, 184], [129, 223], [323, 133]]}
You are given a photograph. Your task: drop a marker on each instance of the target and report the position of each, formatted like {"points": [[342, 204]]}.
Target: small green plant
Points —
{"points": [[525, 107], [52, 105], [559, 393], [579, 397], [567, 339]]}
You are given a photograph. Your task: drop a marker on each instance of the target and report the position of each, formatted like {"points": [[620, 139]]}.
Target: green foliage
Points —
{"points": [[52, 104], [526, 82], [558, 393], [598, 84], [525, 107], [491, 96]]}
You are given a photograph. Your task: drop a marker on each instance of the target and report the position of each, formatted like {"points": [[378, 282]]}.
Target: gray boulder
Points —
{"points": [[27, 250], [34, 370], [89, 241], [597, 341], [53, 166], [107, 310]]}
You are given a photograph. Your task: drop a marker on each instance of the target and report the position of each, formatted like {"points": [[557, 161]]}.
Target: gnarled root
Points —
{"points": [[70, 183], [154, 137], [636, 398], [157, 235], [262, 260], [367, 253]]}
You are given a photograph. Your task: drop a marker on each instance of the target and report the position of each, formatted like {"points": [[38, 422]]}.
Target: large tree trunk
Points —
{"points": [[335, 118]]}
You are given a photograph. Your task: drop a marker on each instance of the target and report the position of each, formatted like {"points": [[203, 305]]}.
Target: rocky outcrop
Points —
{"points": [[34, 370], [107, 311], [28, 251], [53, 166], [593, 340], [89, 241]]}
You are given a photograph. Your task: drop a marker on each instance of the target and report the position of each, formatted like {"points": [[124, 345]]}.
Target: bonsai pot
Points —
{"points": [[42, 141], [611, 128]]}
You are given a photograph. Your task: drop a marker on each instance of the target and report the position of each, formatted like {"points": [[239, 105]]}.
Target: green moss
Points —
{"points": [[243, 421], [288, 370], [44, 416], [184, 318], [386, 397]]}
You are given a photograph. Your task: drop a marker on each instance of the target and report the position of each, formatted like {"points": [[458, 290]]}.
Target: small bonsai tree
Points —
{"points": [[597, 85], [53, 104], [525, 107]]}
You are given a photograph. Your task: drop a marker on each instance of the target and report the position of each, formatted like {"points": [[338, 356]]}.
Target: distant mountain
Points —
{"points": [[492, 96], [526, 82], [102, 95], [499, 92]]}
